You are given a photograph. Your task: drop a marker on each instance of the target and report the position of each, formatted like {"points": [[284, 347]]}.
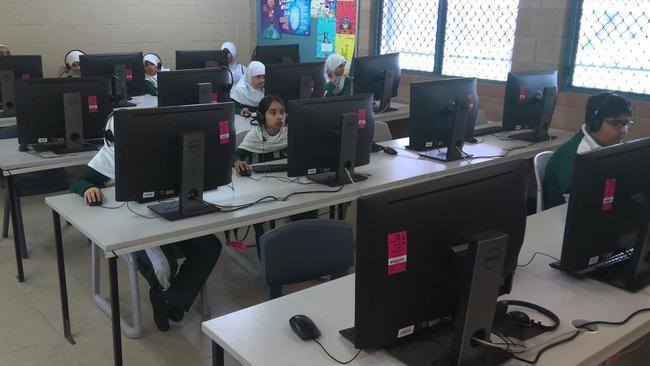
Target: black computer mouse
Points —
{"points": [[96, 203], [304, 327], [246, 172], [389, 150]]}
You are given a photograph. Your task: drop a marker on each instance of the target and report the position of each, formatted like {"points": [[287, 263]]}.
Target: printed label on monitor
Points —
{"points": [[405, 331], [522, 95], [214, 98], [42, 140], [129, 74], [311, 171], [148, 194], [362, 118], [608, 196], [397, 248], [593, 260], [24, 77], [224, 132], [428, 144], [470, 100], [92, 104]]}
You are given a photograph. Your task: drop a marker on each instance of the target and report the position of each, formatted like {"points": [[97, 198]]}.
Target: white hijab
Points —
{"points": [[237, 70], [258, 141], [73, 56], [244, 92], [104, 160], [334, 61], [153, 79]]}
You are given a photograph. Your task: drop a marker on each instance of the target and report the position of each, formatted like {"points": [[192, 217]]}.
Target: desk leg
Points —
{"points": [[19, 258], [115, 311], [17, 217], [342, 210], [217, 355], [332, 212], [63, 289]]}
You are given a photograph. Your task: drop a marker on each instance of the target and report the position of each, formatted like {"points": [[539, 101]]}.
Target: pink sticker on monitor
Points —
{"points": [[397, 252], [129, 74], [362, 118], [522, 94], [92, 104], [214, 98], [608, 196], [470, 101], [24, 77], [224, 132]]}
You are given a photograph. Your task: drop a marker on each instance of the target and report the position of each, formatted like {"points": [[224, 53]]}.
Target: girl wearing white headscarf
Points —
{"points": [[235, 67], [248, 92], [4, 50], [152, 64], [72, 68], [337, 83]]}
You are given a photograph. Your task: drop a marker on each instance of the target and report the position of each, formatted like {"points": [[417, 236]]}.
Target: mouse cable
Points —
{"points": [[334, 358], [533, 257]]}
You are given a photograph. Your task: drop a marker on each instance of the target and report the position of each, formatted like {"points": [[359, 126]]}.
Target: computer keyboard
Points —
{"points": [[487, 130], [614, 260], [269, 168]]}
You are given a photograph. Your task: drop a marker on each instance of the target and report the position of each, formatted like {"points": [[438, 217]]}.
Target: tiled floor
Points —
{"points": [[30, 318]]}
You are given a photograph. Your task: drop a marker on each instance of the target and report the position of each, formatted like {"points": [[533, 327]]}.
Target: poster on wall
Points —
{"points": [[269, 19], [346, 17], [323, 8], [295, 17], [325, 42], [345, 47]]}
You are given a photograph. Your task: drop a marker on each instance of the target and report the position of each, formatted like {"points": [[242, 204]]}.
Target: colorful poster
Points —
{"points": [[326, 28], [323, 8], [294, 17], [345, 47], [346, 17], [269, 19]]}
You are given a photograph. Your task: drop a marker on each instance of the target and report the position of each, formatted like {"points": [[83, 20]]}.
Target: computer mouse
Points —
{"points": [[246, 114], [246, 172], [304, 327], [96, 203], [389, 150]]}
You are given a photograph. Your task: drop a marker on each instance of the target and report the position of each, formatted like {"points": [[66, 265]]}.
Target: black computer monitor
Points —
{"points": [[606, 232], [277, 54], [442, 116], [295, 81], [126, 67], [378, 75], [168, 151], [199, 59], [529, 103], [194, 86], [67, 111], [14, 68], [416, 253], [328, 136]]}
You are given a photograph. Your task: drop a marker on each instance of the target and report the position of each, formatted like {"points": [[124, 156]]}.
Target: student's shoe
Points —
{"points": [[160, 309], [175, 315]]}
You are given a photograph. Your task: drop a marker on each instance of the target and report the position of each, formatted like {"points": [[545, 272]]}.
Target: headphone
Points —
{"points": [[65, 59], [595, 122], [522, 319], [159, 64]]}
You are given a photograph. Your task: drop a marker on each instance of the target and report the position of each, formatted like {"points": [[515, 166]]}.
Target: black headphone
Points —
{"points": [[522, 319], [159, 64], [65, 59], [594, 124]]}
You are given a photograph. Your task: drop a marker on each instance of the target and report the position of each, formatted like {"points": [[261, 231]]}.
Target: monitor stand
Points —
{"points": [[454, 150], [540, 130], [347, 155], [120, 73], [7, 84], [483, 275], [387, 92], [306, 87], [190, 198], [204, 92]]}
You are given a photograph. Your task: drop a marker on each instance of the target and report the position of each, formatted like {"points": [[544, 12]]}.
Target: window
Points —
{"points": [[612, 46], [478, 36]]}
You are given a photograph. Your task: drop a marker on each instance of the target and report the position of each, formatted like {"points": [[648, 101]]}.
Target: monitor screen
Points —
{"points": [[181, 87], [148, 144], [522, 106], [46, 122], [201, 59], [313, 145], [368, 73], [285, 80], [407, 274], [104, 65], [277, 54]]}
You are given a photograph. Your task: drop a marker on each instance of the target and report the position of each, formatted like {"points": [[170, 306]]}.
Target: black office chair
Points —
{"points": [[305, 250]]}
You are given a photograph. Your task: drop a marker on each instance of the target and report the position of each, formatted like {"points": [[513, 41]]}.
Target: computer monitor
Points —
{"points": [[329, 137], [606, 232], [194, 86], [529, 103], [277, 54], [14, 68], [201, 59], [442, 116], [168, 151], [69, 111], [424, 250], [378, 75], [295, 81], [125, 67]]}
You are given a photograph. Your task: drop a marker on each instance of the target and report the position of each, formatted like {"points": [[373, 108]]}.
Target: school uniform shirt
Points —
{"points": [[258, 146], [238, 70], [558, 175], [244, 93], [338, 85]]}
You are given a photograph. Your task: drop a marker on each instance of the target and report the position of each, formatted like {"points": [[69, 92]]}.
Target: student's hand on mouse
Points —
{"points": [[245, 112], [240, 165], [92, 194]]}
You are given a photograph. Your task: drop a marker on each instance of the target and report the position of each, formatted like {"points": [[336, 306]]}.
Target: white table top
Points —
{"points": [[260, 335], [119, 231], [402, 112], [7, 121]]}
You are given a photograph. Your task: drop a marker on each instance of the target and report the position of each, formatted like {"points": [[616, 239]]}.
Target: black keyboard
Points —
{"points": [[270, 168], [350, 334], [487, 130], [614, 260]]}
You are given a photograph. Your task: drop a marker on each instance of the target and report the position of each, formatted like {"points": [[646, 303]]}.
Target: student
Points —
{"points": [[249, 91], [152, 64], [337, 83], [72, 68], [607, 119], [235, 67], [173, 289], [4, 50]]}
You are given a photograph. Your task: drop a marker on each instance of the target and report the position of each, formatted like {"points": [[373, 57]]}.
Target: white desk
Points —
{"points": [[260, 335], [7, 121], [403, 112]]}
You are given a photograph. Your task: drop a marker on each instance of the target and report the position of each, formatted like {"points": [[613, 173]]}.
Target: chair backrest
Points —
{"points": [[382, 132], [240, 137], [540, 162], [304, 250]]}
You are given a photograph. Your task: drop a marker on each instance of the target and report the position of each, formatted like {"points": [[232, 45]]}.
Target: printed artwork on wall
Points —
{"points": [[336, 27], [346, 17], [294, 17], [269, 19]]}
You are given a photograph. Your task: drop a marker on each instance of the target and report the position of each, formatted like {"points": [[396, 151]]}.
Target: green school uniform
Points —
{"points": [[559, 172]]}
